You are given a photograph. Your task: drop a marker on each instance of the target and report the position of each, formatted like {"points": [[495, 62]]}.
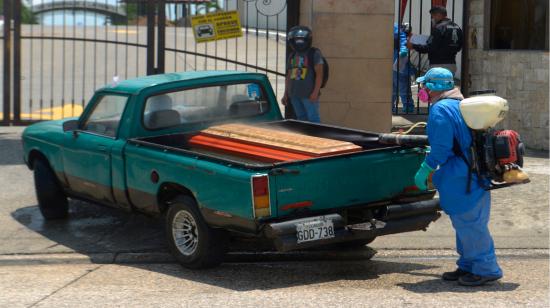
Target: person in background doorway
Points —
{"points": [[304, 75], [444, 43], [402, 80], [461, 192]]}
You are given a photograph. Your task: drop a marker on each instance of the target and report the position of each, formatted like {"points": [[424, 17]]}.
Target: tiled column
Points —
{"points": [[356, 37]]}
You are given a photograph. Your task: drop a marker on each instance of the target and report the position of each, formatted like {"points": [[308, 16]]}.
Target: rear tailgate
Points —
{"points": [[346, 180]]}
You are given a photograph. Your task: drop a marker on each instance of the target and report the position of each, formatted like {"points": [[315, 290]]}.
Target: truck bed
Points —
{"points": [[377, 173], [180, 142]]}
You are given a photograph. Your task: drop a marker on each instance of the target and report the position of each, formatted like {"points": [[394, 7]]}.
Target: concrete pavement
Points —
{"points": [[105, 257], [382, 282]]}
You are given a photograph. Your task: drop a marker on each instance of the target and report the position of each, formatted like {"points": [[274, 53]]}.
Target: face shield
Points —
{"points": [[300, 39], [301, 33]]}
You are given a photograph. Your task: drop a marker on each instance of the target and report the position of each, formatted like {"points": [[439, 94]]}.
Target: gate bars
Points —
{"points": [[53, 63], [416, 13], [6, 81]]}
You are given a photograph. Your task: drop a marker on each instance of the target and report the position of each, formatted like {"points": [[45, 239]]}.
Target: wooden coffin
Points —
{"points": [[268, 145]]}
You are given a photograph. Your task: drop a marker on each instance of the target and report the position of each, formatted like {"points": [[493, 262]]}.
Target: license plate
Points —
{"points": [[315, 229]]}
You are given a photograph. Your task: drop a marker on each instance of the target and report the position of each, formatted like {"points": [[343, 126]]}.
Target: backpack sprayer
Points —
{"points": [[497, 155]]}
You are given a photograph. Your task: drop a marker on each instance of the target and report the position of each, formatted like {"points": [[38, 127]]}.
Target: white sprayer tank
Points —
{"points": [[482, 112]]}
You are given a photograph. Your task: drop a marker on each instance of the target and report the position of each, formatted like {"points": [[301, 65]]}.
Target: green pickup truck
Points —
{"points": [[130, 149]]}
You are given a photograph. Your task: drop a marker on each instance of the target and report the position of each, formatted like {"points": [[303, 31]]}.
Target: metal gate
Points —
{"points": [[416, 13], [57, 52]]}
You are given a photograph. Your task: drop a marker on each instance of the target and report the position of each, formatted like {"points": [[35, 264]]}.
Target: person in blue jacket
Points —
{"points": [[401, 52], [468, 207]]}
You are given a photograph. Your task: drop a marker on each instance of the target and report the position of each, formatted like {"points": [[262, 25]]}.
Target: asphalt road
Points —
{"points": [[105, 257]]}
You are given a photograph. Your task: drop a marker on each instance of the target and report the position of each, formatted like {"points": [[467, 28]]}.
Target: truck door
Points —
{"points": [[87, 151]]}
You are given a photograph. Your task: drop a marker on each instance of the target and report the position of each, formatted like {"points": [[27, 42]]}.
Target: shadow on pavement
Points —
{"points": [[277, 275], [93, 229], [439, 285]]}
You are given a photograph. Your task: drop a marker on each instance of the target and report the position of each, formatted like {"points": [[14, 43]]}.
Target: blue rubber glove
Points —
{"points": [[421, 177], [403, 53]]}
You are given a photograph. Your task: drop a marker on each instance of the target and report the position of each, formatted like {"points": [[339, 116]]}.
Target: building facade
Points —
{"points": [[508, 52]]}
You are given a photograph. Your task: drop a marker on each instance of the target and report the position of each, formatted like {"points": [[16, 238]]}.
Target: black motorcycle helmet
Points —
{"points": [[300, 38]]}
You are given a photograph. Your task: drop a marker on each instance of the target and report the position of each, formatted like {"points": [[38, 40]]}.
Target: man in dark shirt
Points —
{"points": [[304, 75], [445, 41]]}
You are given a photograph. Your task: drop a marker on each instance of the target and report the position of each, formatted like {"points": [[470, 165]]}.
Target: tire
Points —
{"points": [[51, 198], [208, 245]]}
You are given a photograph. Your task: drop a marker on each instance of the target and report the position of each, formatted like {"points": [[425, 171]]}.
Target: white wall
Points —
{"points": [[256, 14]]}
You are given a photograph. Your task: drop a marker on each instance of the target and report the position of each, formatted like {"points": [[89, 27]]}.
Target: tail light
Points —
{"points": [[260, 195]]}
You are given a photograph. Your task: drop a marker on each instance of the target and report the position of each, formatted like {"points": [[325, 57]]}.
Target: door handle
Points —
{"points": [[102, 148]]}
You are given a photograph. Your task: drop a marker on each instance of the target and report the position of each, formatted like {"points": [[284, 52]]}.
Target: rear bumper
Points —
{"points": [[396, 219]]}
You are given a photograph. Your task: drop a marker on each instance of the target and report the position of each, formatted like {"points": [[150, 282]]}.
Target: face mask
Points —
{"points": [[434, 21], [423, 95]]}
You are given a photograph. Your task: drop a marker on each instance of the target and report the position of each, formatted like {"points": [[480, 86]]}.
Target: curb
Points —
{"points": [[165, 257], [502, 253], [363, 254]]}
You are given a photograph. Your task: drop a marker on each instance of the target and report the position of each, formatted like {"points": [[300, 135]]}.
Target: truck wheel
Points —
{"points": [[51, 198], [194, 244]]}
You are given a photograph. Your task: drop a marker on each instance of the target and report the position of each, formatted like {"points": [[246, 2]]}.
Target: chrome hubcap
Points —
{"points": [[185, 233]]}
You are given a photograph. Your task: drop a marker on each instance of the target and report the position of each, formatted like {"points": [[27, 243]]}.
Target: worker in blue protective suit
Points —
{"points": [[450, 140], [402, 69]]}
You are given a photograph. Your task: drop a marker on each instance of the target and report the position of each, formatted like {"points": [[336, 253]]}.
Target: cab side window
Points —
{"points": [[205, 104], [105, 116]]}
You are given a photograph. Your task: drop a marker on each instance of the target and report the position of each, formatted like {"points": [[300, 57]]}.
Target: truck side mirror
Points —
{"points": [[70, 125]]}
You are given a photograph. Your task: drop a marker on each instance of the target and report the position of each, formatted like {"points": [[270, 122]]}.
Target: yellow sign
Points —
{"points": [[216, 26]]}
